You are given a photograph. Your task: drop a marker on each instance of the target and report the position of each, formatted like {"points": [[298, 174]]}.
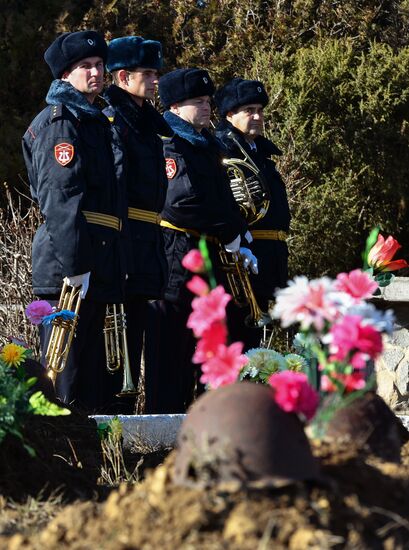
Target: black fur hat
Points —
{"points": [[239, 92], [184, 84], [71, 47], [128, 52]]}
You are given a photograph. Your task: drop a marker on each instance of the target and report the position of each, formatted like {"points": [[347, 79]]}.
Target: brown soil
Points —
{"points": [[360, 503], [67, 458]]}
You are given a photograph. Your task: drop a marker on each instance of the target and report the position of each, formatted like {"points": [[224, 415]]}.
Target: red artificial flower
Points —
{"points": [[193, 261], [381, 254], [198, 286], [293, 393], [224, 367], [211, 339], [351, 382], [208, 309], [358, 284], [349, 335]]}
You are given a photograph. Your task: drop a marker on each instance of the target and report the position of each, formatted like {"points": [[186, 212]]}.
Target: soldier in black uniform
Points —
{"points": [[241, 103], [75, 168], [198, 201], [134, 63]]}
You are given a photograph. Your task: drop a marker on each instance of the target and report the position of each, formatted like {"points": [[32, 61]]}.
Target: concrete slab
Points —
{"points": [[155, 431]]}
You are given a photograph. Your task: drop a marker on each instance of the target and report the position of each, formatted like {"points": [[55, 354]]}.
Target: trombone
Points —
{"points": [[116, 347]]}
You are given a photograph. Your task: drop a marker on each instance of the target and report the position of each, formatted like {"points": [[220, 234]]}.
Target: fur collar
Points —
{"points": [[62, 92], [264, 145], [186, 131], [141, 119]]}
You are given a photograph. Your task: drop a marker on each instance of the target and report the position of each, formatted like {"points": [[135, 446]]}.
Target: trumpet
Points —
{"points": [[116, 347], [63, 331], [250, 192], [241, 289]]}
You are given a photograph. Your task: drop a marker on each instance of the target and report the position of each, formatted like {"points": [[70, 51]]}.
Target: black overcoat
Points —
{"points": [[75, 164], [198, 198], [140, 129], [272, 255]]}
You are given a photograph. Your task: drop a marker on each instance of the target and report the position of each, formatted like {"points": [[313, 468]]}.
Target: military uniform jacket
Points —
{"points": [[75, 165], [198, 198], [146, 187], [272, 255]]}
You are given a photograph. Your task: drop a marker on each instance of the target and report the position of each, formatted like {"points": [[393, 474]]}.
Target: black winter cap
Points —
{"points": [[128, 52], [239, 92], [71, 47], [184, 84]]}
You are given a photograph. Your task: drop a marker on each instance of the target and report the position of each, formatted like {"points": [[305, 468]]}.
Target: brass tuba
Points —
{"points": [[63, 331], [253, 197], [250, 192], [116, 347]]}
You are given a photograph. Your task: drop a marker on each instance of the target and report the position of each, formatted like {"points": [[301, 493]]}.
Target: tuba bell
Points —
{"points": [[116, 347], [63, 330], [249, 191]]}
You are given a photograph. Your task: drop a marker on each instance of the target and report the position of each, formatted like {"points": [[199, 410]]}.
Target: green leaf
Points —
{"points": [[370, 241], [42, 406], [384, 279]]}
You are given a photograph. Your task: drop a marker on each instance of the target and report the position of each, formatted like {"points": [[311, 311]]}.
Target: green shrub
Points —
{"points": [[341, 118]]}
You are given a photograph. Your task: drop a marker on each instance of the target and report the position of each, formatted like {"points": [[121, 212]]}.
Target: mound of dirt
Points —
{"points": [[67, 458], [361, 502]]}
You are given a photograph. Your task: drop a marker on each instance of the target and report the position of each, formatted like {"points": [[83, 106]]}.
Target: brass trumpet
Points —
{"points": [[63, 331], [116, 347], [241, 289]]}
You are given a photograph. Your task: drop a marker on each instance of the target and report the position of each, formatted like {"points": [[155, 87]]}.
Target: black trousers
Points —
{"points": [[238, 330], [85, 381], [170, 375]]}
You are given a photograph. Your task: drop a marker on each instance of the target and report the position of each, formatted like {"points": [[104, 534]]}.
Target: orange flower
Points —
{"points": [[381, 254]]}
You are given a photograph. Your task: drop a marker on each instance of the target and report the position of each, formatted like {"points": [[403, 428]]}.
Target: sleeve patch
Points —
{"points": [[171, 168], [64, 153]]}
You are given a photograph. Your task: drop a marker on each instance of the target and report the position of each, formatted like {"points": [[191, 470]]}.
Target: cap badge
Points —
{"points": [[205, 80], [90, 42], [259, 89], [171, 168], [64, 153]]}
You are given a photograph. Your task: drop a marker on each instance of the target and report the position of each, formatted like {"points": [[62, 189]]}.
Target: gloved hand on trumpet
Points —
{"points": [[79, 280]]}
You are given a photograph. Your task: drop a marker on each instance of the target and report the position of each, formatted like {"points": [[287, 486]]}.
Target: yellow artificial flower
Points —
{"points": [[13, 355]]}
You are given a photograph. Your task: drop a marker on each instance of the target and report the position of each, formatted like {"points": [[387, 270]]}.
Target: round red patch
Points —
{"points": [[171, 168]]}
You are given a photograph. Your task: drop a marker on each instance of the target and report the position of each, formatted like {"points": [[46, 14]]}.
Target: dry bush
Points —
{"points": [[17, 227]]}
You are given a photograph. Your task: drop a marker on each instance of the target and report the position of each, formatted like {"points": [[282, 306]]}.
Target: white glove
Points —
{"points": [[249, 237], [79, 280], [249, 260], [234, 246]]}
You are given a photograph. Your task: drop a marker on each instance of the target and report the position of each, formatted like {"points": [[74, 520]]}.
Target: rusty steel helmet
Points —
{"points": [[369, 423], [238, 433]]}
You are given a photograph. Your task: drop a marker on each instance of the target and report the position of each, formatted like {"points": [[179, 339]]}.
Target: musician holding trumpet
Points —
{"points": [[75, 167], [241, 106]]}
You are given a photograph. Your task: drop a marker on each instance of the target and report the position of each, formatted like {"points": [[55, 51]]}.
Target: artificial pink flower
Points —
{"points": [[208, 309], [193, 261], [357, 284], [224, 367], [382, 252], [306, 302], [354, 342], [37, 310], [351, 382], [198, 286], [211, 339], [293, 393]]}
